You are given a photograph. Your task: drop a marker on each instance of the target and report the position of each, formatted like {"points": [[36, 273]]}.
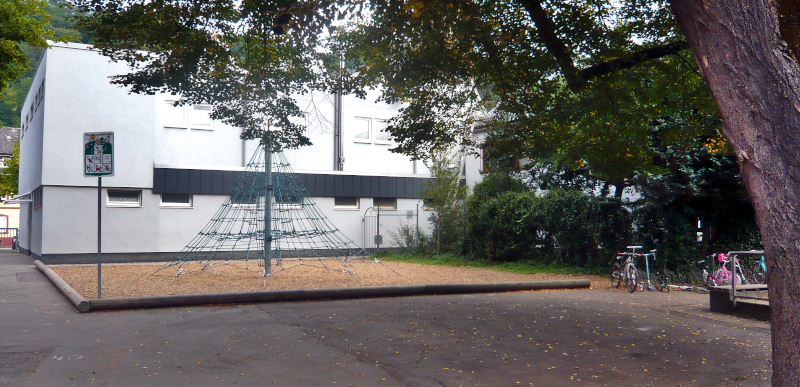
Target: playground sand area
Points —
{"points": [[146, 280]]}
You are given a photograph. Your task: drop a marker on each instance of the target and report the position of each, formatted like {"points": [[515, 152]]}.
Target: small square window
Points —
{"points": [[362, 129], [176, 200], [174, 116], [381, 135], [385, 203], [349, 202], [200, 117], [124, 198]]}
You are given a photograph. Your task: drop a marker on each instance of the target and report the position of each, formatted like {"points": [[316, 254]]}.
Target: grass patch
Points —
{"points": [[521, 267]]}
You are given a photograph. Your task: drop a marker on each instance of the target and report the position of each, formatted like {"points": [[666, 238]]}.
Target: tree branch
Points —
{"points": [[633, 59], [575, 78], [555, 46]]}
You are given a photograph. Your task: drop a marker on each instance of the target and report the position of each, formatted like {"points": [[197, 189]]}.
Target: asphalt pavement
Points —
{"points": [[542, 338]]}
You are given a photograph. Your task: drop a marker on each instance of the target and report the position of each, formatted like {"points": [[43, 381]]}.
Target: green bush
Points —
{"points": [[496, 183], [561, 226]]}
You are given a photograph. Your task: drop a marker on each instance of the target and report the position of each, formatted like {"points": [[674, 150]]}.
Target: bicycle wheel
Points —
{"points": [[616, 275], [631, 279], [758, 276]]}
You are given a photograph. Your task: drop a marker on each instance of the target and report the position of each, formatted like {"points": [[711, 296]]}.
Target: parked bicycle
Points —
{"points": [[759, 271], [624, 270], [725, 276]]}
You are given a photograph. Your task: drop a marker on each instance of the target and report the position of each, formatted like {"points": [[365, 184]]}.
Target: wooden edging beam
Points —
{"points": [[80, 303], [298, 294]]}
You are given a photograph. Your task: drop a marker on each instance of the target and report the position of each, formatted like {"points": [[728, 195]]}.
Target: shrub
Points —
{"points": [[559, 226]]}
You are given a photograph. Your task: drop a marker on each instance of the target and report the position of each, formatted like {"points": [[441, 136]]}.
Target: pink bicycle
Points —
{"points": [[723, 275]]}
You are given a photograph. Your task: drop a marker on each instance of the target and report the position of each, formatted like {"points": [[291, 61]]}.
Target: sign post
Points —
{"points": [[98, 160]]}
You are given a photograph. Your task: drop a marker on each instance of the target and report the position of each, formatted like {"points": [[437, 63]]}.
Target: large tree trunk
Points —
{"points": [[753, 72]]}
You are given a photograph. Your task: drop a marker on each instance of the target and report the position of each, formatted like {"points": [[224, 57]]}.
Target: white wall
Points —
{"points": [[80, 99], [218, 146], [30, 155]]}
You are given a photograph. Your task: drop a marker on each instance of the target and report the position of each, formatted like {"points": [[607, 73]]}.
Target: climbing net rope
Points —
{"points": [[268, 193]]}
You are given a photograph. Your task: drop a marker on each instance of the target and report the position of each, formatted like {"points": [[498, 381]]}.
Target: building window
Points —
{"points": [[381, 135], [187, 116], [124, 198], [371, 131], [362, 130], [174, 116], [346, 202], [200, 117], [385, 203], [36, 197], [176, 200]]}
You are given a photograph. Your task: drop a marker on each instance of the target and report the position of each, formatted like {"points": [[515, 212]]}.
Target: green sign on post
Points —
{"points": [[98, 160], [98, 154]]}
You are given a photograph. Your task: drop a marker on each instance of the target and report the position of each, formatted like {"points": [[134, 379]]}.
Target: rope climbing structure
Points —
{"points": [[268, 193]]}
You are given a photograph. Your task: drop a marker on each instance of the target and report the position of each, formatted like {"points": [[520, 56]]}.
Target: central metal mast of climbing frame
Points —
{"points": [[268, 212]]}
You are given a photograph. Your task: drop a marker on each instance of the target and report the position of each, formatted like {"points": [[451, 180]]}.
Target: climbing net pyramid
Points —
{"points": [[269, 194]]}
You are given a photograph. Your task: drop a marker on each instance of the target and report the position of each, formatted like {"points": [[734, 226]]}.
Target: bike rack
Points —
{"points": [[732, 255]]}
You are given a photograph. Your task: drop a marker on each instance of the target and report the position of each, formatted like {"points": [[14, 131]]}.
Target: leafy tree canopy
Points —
{"points": [[575, 81]]}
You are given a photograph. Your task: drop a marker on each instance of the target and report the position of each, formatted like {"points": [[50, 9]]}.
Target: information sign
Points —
{"points": [[98, 154]]}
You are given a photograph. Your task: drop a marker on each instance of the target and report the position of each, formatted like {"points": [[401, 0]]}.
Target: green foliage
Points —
{"points": [[444, 196], [411, 239], [21, 21], [700, 182], [559, 227], [9, 176], [249, 59], [496, 183]]}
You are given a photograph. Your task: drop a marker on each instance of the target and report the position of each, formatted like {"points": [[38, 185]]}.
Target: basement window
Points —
{"points": [[124, 198], [176, 200]]}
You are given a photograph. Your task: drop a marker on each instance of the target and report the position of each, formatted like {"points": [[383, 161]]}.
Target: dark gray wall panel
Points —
{"points": [[205, 182], [210, 182], [194, 181], [159, 180], [329, 186], [365, 191], [418, 187], [384, 187], [319, 182], [229, 181], [393, 187], [375, 189], [338, 184], [401, 187], [172, 180], [183, 181], [347, 189], [217, 182], [357, 187]]}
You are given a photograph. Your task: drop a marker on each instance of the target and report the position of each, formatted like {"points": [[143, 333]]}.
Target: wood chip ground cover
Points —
{"points": [[144, 280]]}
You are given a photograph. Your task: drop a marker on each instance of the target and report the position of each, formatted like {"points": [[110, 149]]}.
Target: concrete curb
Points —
{"points": [[299, 294]]}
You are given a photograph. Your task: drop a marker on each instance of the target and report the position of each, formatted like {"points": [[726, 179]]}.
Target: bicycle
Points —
{"points": [[725, 276], [625, 270], [759, 271]]}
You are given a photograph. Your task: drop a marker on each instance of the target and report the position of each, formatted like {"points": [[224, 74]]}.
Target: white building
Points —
{"points": [[174, 166]]}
